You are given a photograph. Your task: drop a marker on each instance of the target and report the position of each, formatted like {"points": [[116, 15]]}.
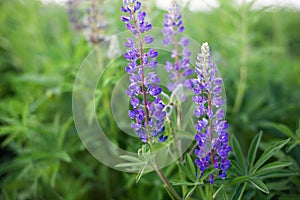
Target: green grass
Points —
{"points": [[42, 156]]}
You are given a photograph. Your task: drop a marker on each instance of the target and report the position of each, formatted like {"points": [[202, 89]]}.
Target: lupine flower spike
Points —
{"points": [[91, 21], [212, 136], [179, 69], [147, 110]]}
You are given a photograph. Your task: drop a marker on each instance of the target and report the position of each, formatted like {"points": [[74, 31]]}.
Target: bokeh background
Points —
{"points": [[42, 44]]}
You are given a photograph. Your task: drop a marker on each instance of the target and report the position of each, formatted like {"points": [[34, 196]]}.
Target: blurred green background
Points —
{"points": [[42, 157]]}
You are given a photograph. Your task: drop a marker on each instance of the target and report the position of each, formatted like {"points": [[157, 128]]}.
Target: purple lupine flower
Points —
{"points": [[88, 16], [147, 108], [74, 15], [179, 70], [212, 136]]}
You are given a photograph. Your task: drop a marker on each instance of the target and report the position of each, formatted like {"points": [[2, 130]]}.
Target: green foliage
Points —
{"points": [[245, 173], [42, 156], [257, 169]]}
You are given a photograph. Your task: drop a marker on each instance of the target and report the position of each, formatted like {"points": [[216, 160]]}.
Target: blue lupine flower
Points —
{"points": [[147, 115], [179, 70], [212, 136]]}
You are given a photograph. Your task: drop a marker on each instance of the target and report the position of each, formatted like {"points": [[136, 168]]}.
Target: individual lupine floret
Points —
{"points": [[179, 69], [148, 109], [212, 136]]}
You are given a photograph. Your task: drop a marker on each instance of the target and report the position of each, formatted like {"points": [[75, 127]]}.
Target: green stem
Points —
{"points": [[211, 192], [168, 185], [244, 59], [161, 175]]}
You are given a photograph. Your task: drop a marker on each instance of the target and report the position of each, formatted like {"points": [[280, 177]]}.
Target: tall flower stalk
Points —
{"points": [[178, 67], [147, 110], [212, 136]]}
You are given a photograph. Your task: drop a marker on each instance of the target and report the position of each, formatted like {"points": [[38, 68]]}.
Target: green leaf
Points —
{"points": [[190, 192], [282, 128], [259, 185], [237, 150], [140, 174], [277, 174], [289, 197], [190, 164], [239, 191], [268, 153], [217, 191], [64, 129], [137, 165], [185, 183], [272, 166], [241, 179], [253, 150], [224, 195], [207, 173], [190, 175], [291, 146], [235, 168], [131, 159], [63, 156]]}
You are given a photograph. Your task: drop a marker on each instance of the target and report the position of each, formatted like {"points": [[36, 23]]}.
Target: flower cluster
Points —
{"points": [[180, 69], [74, 15], [148, 109], [91, 21], [212, 136]]}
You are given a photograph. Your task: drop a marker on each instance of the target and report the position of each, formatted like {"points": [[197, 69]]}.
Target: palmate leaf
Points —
{"points": [[268, 153], [188, 173], [257, 170]]}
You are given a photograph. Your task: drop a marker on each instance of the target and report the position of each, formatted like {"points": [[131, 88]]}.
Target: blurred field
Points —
{"points": [[258, 55]]}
